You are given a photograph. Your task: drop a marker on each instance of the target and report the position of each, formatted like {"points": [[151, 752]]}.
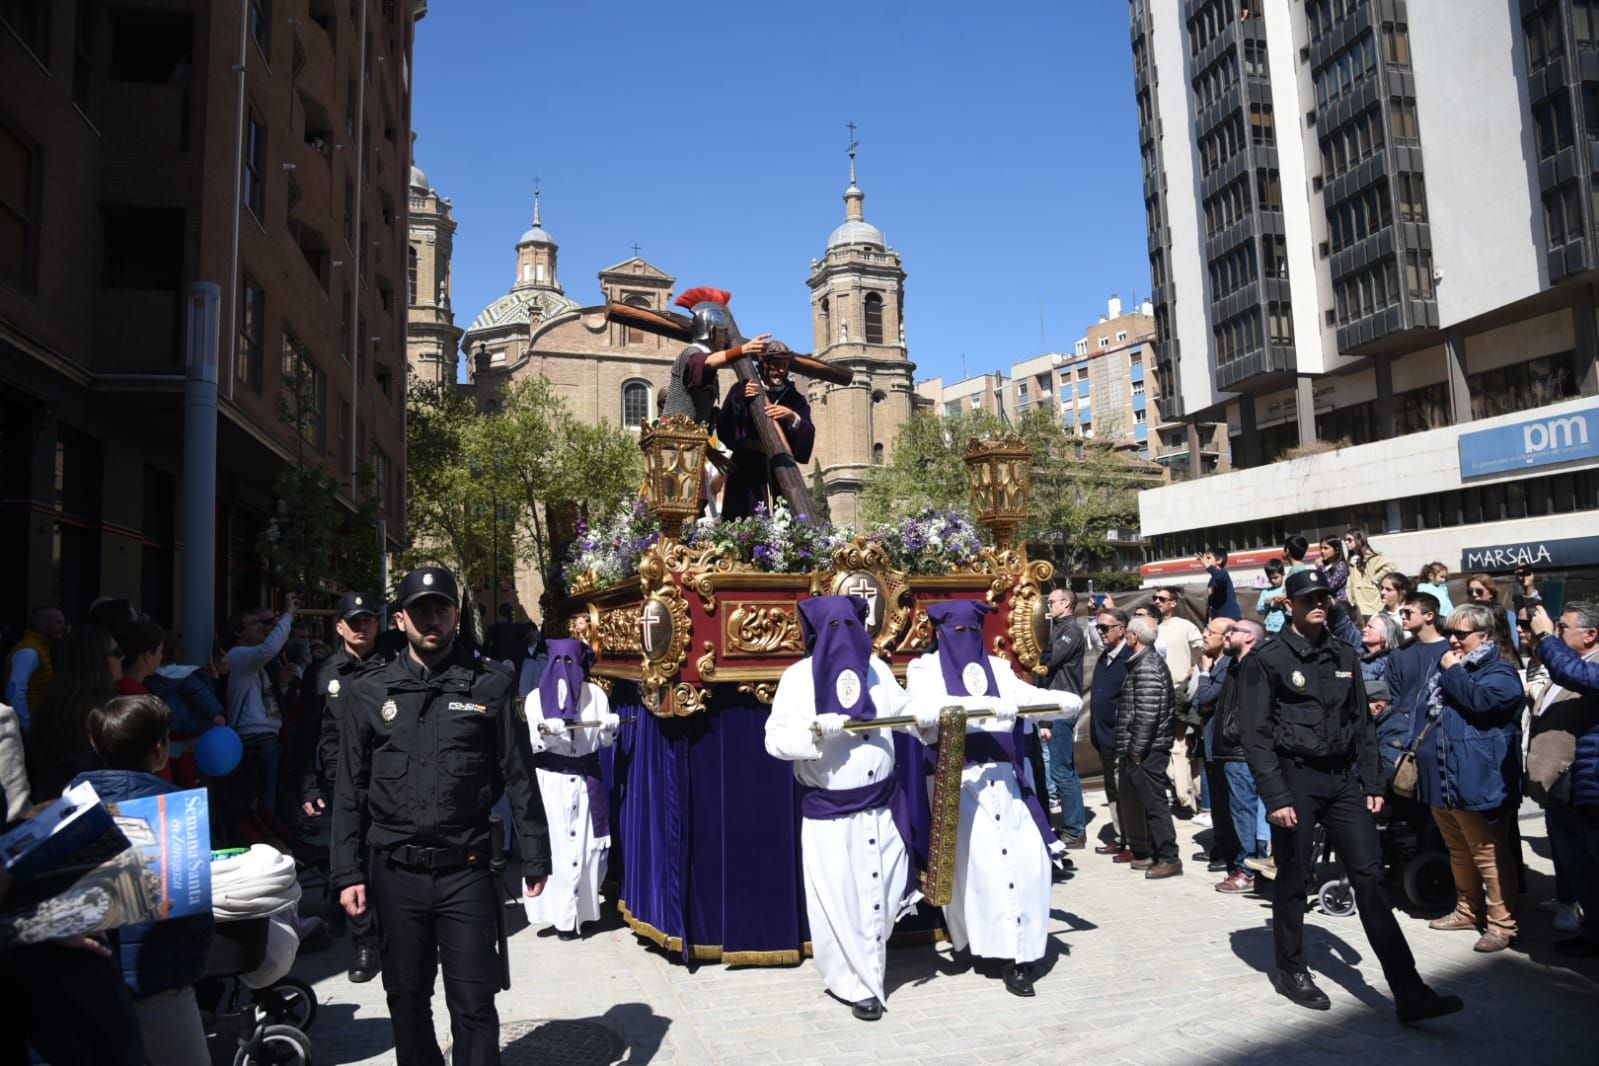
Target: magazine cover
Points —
{"points": [[164, 872]]}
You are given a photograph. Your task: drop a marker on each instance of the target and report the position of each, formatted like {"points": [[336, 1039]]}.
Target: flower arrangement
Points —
{"points": [[772, 541], [609, 551], [931, 541]]}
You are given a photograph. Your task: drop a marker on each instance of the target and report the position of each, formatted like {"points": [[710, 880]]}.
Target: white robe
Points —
{"points": [[855, 866], [577, 856], [1000, 904]]}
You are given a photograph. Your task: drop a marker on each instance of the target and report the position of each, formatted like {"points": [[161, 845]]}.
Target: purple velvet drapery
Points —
{"points": [[707, 829]]}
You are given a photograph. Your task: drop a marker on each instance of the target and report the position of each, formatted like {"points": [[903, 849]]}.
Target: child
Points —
{"points": [[1434, 580], [160, 960], [1220, 599], [1273, 603]]}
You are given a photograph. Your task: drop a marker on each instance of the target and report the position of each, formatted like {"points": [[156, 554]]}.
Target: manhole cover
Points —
{"points": [[559, 1043]]}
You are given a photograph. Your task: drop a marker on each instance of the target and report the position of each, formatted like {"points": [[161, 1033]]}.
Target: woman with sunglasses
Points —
{"points": [[1468, 761], [1367, 566]]}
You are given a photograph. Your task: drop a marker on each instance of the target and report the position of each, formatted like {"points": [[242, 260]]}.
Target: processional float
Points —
{"points": [[694, 643]]}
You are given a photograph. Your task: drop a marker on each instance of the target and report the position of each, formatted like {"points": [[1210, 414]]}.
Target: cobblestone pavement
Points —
{"points": [[1139, 972]]}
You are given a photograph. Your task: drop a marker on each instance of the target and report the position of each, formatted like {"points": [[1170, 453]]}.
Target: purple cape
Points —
{"points": [[569, 661], [836, 641]]}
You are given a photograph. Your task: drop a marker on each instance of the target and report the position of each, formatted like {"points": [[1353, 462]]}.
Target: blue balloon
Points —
{"points": [[218, 751]]}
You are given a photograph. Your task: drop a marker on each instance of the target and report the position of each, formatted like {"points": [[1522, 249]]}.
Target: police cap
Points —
{"points": [[429, 581], [354, 603], [1306, 583]]}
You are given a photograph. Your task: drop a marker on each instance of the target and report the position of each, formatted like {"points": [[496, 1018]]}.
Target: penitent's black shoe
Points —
{"points": [[366, 963], [1301, 989], [867, 1010], [1419, 1004], [568, 934], [1018, 978]]}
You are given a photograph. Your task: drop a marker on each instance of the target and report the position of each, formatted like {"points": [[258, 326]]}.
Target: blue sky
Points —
{"points": [[998, 152]]}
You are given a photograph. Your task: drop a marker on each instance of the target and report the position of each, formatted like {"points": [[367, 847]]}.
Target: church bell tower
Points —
{"points": [[857, 315]]}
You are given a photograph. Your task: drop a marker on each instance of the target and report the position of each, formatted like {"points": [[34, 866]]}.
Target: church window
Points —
{"points": [[629, 334], [410, 274], [877, 454], [538, 272], [874, 318], [827, 314], [635, 404]]}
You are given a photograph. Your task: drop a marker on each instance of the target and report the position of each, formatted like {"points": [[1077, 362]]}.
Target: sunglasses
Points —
{"points": [[1103, 628], [1164, 599], [1319, 596], [1459, 634], [1478, 593]]}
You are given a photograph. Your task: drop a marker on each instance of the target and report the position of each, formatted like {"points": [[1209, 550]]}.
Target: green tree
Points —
{"points": [[925, 468], [547, 456], [824, 513]]}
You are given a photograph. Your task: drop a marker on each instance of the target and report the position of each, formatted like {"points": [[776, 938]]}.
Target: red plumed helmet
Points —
{"points": [[703, 294]]}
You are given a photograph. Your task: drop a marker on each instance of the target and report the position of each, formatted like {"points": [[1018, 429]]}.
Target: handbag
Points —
{"points": [[1405, 771]]}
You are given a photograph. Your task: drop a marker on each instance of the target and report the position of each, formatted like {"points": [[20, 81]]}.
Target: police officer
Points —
{"points": [[1311, 744], [429, 741], [324, 694]]}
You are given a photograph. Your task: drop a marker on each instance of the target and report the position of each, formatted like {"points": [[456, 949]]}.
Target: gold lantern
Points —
{"points": [[674, 464], [1001, 474]]}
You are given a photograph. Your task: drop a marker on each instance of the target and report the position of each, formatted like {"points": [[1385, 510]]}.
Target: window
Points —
{"points": [[1402, 118], [255, 162], [1412, 197], [261, 27], [825, 318], [1268, 189], [1418, 269], [19, 209], [1121, 335], [1281, 325], [1262, 128], [349, 216], [86, 59], [635, 404], [305, 392], [1396, 44], [874, 318], [151, 47], [1544, 38], [345, 455], [143, 248], [30, 21], [1138, 387], [383, 478], [410, 275], [1551, 119], [1104, 342], [1562, 214], [250, 356], [1141, 417], [1021, 395], [344, 327], [1585, 22]]}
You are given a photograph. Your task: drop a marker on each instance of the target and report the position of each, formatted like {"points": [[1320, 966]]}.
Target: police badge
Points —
{"points": [[390, 711], [1297, 678], [333, 687]]}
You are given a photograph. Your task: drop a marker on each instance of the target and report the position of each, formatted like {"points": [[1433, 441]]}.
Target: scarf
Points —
{"points": [[1435, 688]]}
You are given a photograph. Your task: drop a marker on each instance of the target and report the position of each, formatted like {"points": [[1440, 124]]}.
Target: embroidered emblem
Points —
{"points": [[1297, 678], [1342, 673], [333, 687], [848, 689], [974, 679], [478, 707], [390, 711]]}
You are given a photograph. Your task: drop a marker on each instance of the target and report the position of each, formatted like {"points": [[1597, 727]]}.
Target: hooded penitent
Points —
{"points": [[959, 626], [561, 687], [841, 654]]}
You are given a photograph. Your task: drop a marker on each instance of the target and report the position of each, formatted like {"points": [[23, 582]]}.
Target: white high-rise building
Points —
{"points": [[1373, 245]]}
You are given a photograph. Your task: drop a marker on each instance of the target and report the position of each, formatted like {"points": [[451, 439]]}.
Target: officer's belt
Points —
{"points": [[421, 858], [1318, 762]]}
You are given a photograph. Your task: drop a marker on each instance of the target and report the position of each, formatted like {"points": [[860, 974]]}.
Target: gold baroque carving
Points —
{"points": [[861, 554], [656, 583], [706, 664], [688, 699], [617, 632], [1026, 609], [763, 629], [761, 690], [919, 636]]}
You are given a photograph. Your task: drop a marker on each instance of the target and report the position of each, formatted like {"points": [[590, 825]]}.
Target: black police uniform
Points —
{"points": [[324, 694], [1312, 745], [423, 756]]}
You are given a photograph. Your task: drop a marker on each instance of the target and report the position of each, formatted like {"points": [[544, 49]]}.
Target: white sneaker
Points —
{"points": [[1568, 919], [1203, 820]]}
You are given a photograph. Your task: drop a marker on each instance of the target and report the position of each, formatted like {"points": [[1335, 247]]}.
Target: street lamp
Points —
{"points": [[1000, 473]]}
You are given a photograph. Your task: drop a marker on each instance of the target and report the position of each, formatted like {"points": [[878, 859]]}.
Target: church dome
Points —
{"points": [[856, 231], [516, 307], [419, 180], [537, 235]]}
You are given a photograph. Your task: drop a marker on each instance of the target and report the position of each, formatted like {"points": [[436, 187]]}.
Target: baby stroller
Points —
{"points": [[271, 1021], [1415, 863]]}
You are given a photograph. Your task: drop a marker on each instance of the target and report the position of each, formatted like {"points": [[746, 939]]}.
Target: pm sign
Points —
{"points": [[1541, 442]]}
